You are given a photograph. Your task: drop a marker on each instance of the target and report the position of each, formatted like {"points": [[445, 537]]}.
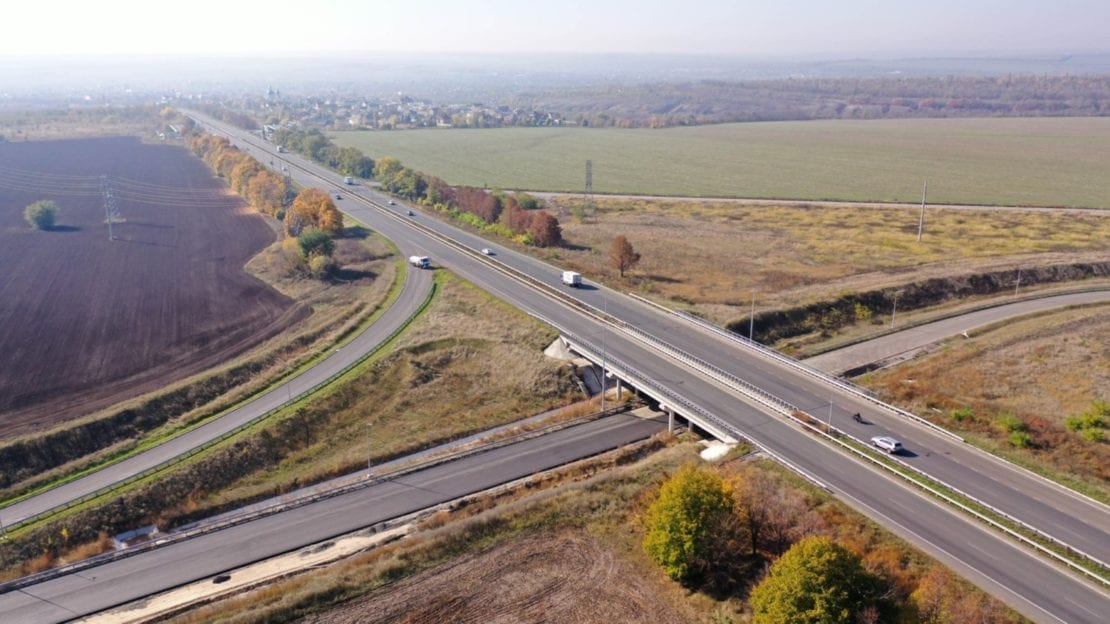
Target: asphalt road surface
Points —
{"points": [[1039, 589], [414, 292], [913, 338], [163, 568]]}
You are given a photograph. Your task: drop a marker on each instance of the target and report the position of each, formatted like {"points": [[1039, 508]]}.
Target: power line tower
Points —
{"points": [[111, 211]]}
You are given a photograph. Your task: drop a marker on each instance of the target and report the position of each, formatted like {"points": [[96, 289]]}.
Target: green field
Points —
{"points": [[1033, 161]]}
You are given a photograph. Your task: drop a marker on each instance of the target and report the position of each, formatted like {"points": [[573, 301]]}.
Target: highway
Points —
{"points": [[1039, 589], [414, 291], [914, 338], [153, 571]]}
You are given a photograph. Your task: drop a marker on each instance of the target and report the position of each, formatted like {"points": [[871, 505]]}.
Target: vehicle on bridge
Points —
{"points": [[887, 443]]}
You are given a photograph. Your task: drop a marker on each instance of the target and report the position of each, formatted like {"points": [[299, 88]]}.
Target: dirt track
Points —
{"points": [[568, 578], [85, 322]]}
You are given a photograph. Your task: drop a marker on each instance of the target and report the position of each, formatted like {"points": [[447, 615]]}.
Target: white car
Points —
{"points": [[487, 251], [392, 203], [887, 443]]}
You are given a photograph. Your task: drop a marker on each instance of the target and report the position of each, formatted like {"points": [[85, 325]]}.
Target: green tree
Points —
{"points": [[817, 581], [621, 255], [41, 214], [683, 524], [316, 242]]}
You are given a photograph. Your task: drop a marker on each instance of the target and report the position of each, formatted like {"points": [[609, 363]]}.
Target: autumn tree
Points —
{"points": [[817, 581], [266, 192], [684, 522], [771, 514], [41, 214], [621, 255], [312, 208], [943, 598], [545, 230], [478, 202]]}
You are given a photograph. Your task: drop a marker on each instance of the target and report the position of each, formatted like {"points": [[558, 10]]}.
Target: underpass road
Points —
{"points": [[1010, 569], [415, 290], [891, 345], [132, 578]]}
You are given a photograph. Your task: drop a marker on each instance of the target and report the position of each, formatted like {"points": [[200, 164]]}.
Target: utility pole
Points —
{"points": [[369, 455], [894, 310], [589, 208], [921, 219], [751, 321]]}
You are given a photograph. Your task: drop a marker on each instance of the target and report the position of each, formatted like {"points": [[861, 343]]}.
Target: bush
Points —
{"points": [[41, 214], [1009, 423], [1020, 439], [1093, 435], [962, 414]]}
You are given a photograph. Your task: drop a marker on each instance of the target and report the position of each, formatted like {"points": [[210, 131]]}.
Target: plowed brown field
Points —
{"points": [[86, 322]]}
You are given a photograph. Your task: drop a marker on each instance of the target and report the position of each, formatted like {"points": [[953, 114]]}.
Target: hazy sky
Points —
{"points": [[736, 27]]}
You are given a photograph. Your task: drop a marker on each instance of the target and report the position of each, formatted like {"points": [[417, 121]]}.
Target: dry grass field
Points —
{"points": [[565, 578], [1023, 377], [1017, 161], [88, 322], [712, 255]]}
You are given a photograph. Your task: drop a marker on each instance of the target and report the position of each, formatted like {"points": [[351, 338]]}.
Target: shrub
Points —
{"points": [[1009, 423], [1093, 435], [41, 214], [1020, 439], [962, 414]]}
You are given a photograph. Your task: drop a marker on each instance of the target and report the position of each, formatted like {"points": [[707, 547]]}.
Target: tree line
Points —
{"points": [[514, 216], [314, 145], [309, 223], [713, 101]]}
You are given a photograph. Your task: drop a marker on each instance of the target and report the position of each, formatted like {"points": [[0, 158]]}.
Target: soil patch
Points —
{"points": [[90, 321], [568, 577]]}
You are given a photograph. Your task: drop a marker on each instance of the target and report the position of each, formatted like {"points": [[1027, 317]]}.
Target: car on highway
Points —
{"points": [[392, 203], [487, 251], [887, 443], [411, 213], [338, 196]]}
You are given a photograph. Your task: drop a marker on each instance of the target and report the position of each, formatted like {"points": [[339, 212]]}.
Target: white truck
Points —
{"points": [[420, 262], [348, 180], [572, 278]]}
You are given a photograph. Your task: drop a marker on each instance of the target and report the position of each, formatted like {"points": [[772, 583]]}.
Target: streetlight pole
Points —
{"points": [[369, 455], [604, 330]]}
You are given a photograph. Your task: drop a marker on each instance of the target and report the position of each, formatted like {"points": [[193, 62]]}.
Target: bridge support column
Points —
{"points": [[618, 388], [670, 419]]}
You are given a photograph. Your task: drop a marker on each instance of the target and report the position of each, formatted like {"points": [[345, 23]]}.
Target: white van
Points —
{"points": [[887, 443]]}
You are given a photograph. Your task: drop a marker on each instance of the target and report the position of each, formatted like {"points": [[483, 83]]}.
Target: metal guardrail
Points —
{"points": [[798, 366], [177, 459], [286, 504], [738, 384]]}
